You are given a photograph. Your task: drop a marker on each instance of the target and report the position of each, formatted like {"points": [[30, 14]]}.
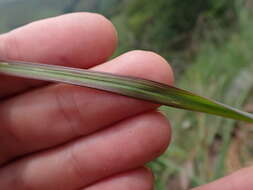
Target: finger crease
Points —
{"points": [[71, 123]]}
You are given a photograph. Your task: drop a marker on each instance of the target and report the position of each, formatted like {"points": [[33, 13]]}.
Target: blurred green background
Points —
{"points": [[209, 44]]}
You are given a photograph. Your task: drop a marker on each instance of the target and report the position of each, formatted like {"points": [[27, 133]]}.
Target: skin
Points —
{"points": [[58, 136]]}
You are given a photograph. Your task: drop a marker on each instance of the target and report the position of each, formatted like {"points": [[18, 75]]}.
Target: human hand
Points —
{"points": [[58, 136], [240, 180]]}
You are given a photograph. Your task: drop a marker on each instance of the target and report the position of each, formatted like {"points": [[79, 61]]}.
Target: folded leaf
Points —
{"points": [[129, 86]]}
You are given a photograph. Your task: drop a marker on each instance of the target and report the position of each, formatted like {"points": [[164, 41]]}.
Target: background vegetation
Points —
{"points": [[209, 45]]}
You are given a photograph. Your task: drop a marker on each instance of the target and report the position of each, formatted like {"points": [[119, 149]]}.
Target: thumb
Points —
{"points": [[240, 180]]}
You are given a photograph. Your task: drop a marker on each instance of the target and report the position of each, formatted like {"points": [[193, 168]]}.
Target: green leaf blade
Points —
{"points": [[127, 86]]}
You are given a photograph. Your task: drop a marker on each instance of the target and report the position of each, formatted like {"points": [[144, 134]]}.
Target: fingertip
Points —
{"points": [[160, 132], [152, 131], [109, 36], [137, 179], [111, 30], [155, 64], [148, 177], [145, 178], [76, 39], [139, 63]]}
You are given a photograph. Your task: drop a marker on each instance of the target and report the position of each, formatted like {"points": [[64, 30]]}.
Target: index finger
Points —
{"points": [[78, 40]]}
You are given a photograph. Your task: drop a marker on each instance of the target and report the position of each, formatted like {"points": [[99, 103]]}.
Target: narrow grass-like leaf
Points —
{"points": [[124, 85]]}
